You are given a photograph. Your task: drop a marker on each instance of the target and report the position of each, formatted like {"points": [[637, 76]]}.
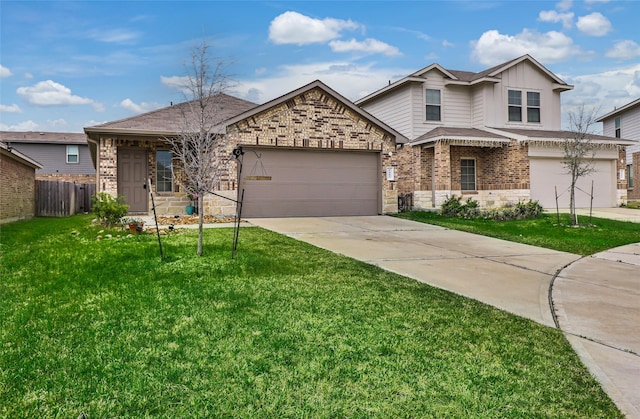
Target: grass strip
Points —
{"points": [[544, 232]]}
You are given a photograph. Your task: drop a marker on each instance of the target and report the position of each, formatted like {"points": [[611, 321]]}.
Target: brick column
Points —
{"points": [[442, 166]]}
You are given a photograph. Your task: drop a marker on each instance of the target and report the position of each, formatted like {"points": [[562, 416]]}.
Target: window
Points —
{"points": [[433, 105], [515, 105], [164, 171], [72, 154], [618, 127], [533, 106], [468, 174], [629, 176]]}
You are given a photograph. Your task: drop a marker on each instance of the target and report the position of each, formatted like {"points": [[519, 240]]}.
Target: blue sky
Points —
{"points": [[67, 65]]}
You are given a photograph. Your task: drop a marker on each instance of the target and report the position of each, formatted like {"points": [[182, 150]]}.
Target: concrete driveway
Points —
{"points": [[511, 276], [596, 299]]}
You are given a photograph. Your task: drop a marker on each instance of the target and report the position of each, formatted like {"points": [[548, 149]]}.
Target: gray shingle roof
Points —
{"points": [[170, 119], [43, 137]]}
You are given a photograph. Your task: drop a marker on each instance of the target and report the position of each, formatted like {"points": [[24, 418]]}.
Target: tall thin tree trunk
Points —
{"points": [[200, 223]]}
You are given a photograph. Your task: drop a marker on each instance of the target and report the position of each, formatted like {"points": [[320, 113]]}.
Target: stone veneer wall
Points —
{"points": [[17, 190]]}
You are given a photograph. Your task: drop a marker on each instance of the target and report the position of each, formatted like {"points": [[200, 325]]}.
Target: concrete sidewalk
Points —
{"points": [[596, 300], [597, 304]]}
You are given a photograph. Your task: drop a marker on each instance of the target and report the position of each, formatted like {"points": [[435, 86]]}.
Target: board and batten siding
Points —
{"points": [[527, 78], [394, 110], [53, 158], [457, 106]]}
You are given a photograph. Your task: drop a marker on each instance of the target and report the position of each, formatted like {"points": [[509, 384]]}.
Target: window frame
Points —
{"points": [[76, 154], [163, 172], [512, 105], [465, 182], [630, 176], [429, 104], [531, 107], [617, 127]]}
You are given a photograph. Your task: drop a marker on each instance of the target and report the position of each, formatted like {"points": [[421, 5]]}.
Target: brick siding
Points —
{"points": [[633, 194], [312, 120], [17, 190]]}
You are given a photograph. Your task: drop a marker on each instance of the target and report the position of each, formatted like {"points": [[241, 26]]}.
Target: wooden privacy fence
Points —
{"points": [[62, 199]]}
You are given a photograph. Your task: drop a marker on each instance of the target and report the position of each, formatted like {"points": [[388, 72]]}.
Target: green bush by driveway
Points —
{"points": [[284, 330]]}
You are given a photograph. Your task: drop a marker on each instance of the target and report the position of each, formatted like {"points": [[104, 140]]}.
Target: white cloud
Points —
{"points": [[594, 24], [138, 108], [10, 108], [5, 72], [368, 46], [555, 17], [113, 35], [624, 50], [50, 93], [493, 47], [605, 91], [176, 82], [21, 126], [56, 124], [295, 28], [260, 71], [564, 5], [352, 80], [447, 44]]}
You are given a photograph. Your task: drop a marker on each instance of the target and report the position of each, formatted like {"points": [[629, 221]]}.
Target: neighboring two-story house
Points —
{"points": [[624, 122], [494, 136], [62, 155]]}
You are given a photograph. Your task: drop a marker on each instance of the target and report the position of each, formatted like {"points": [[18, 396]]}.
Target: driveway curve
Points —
{"points": [[597, 304]]}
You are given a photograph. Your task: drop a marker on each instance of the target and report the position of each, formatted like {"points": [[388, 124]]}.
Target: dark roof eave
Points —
{"points": [[130, 132]]}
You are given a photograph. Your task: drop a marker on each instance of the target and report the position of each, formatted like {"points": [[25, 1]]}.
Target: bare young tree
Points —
{"points": [[198, 147], [579, 152]]}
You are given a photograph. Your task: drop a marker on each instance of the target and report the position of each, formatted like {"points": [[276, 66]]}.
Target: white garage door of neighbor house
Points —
{"points": [[547, 173], [307, 183]]}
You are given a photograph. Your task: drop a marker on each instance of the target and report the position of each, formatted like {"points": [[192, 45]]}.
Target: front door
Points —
{"points": [[132, 178]]}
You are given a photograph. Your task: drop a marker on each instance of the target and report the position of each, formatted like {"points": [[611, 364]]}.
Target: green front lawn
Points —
{"points": [[544, 231], [285, 330]]}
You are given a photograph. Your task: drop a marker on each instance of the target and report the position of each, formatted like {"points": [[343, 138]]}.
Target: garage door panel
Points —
{"points": [[548, 174], [311, 183]]}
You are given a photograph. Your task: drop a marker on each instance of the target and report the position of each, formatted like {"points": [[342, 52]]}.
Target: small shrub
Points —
{"points": [[453, 207], [108, 209]]}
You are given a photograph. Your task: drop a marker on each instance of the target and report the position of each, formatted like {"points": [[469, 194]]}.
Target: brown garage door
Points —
{"points": [[310, 183]]}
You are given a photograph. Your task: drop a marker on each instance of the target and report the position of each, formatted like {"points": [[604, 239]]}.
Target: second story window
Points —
{"points": [[434, 105], [515, 106], [164, 171], [618, 127], [533, 106], [73, 155]]}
